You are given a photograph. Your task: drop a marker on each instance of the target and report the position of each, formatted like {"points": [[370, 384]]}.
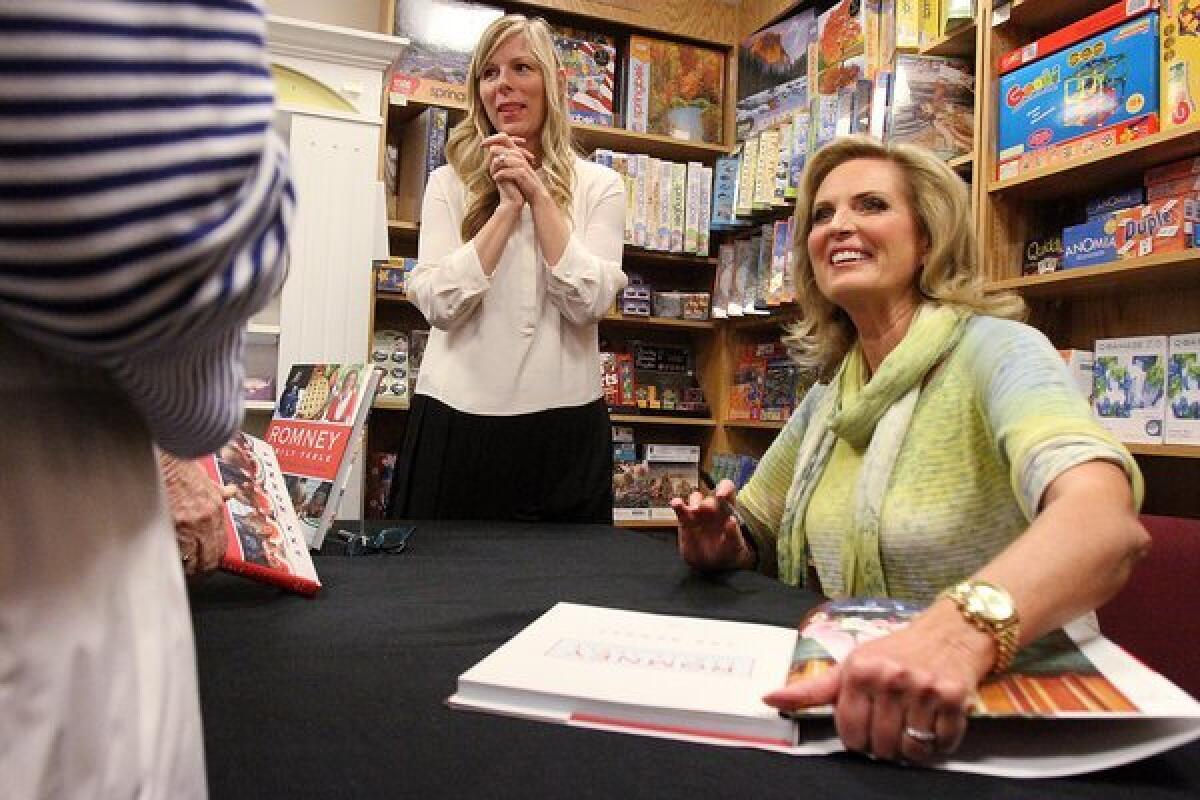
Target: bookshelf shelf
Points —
{"points": [[1164, 271], [259, 407], [388, 404], [761, 322], [394, 298], [647, 419], [261, 333], [1165, 450], [959, 42], [963, 163], [1044, 15], [755, 424], [593, 137], [1091, 173], [638, 255], [659, 322], [644, 524]]}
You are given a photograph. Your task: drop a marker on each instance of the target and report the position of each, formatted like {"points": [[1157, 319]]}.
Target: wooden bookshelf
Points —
{"points": [[1165, 450], [959, 43], [1156, 272], [755, 424], [1042, 16], [595, 137], [651, 419], [659, 322], [1103, 168], [645, 524]]}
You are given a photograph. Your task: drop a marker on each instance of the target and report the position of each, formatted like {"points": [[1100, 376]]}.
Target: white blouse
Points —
{"points": [[525, 339]]}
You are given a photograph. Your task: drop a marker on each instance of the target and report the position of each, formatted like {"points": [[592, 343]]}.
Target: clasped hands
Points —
{"points": [[511, 166], [902, 697]]}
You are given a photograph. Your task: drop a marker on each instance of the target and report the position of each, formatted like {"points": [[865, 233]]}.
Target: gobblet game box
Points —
{"points": [[1096, 87]]}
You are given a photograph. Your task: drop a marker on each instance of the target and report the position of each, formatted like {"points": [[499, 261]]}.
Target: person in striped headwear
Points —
{"points": [[144, 208]]}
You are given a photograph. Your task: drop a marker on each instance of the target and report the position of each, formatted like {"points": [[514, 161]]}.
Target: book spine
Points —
{"points": [[691, 233], [639, 88], [783, 165], [640, 176], [703, 224], [679, 190], [745, 197], [666, 170]]}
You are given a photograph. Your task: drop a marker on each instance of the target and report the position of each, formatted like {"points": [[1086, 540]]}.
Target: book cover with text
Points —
{"points": [[315, 436]]}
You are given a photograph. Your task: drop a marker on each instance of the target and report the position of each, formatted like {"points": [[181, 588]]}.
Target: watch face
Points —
{"points": [[995, 605]]}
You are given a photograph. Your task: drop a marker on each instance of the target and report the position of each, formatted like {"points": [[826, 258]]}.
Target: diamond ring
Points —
{"points": [[924, 737]]}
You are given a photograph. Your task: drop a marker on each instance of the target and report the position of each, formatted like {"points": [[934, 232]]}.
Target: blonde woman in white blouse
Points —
{"points": [[519, 257]]}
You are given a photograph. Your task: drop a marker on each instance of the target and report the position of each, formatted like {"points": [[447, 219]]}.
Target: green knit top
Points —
{"points": [[994, 424]]}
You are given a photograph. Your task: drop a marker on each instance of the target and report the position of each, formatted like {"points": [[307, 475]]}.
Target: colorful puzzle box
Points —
{"points": [[1097, 93]]}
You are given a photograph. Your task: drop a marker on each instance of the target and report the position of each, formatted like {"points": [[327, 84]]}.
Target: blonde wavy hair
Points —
{"points": [[950, 275], [464, 150]]}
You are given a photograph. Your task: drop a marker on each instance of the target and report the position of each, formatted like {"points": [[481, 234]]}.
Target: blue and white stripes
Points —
{"points": [[144, 200]]}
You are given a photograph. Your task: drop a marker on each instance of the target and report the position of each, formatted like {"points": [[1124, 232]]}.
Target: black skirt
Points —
{"points": [[547, 466]]}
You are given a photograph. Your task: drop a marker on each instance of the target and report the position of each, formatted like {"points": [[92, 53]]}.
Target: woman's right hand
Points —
{"points": [[511, 195], [709, 535]]}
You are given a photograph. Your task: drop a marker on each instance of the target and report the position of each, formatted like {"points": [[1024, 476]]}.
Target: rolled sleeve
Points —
{"points": [[448, 281], [585, 281]]}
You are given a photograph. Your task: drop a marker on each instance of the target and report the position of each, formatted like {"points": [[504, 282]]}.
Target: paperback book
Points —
{"points": [[264, 539], [1073, 703], [314, 432]]}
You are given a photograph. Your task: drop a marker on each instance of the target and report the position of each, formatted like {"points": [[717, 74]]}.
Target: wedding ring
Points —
{"points": [[924, 737], [186, 557]]}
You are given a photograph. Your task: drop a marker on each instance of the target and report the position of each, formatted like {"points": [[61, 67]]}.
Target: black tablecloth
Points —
{"points": [[342, 696]]}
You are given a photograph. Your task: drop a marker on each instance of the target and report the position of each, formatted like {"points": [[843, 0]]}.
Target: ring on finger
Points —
{"points": [[922, 736]]}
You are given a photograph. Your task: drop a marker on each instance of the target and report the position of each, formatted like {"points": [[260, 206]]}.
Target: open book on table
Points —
{"points": [[1092, 705], [263, 537]]}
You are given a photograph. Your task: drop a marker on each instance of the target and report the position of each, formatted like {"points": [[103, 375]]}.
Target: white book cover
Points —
{"points": [[666, 172], [640, 205], [704, 221], [679, 190], [1183, 390], [768, 163], [637, 104], [1129, 392], [745, 193], [783, 166], [691, 232], [702, 680], [653, 206], [1081, 365], [723, 283]]}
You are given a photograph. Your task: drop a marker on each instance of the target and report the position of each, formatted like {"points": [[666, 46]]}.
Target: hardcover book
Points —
{"points": [[264, 539], [675, 90], [1072, 703], [315, 433], [442, 36]]}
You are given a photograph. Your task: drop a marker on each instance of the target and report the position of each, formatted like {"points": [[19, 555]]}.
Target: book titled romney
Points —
{"points": [[319, 416], [1071, 703]]}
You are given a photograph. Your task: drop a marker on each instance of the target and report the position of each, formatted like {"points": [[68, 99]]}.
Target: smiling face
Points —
{"points": [[865, 244], [513, 90]]}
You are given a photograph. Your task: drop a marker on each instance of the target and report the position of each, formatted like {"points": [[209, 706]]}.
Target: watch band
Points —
{"points": [[1004, 630]]}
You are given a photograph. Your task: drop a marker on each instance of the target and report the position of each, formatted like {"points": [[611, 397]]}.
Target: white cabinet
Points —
{"points": [[328, 84]]}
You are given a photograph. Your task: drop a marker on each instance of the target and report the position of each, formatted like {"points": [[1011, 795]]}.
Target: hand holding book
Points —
{"points": [[899, 690]]}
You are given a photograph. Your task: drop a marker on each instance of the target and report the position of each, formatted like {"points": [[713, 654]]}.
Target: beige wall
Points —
{"points": [[361, 14]]}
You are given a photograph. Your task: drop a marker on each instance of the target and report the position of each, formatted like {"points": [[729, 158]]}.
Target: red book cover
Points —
{"points": [[314, 432], [264, 538]]}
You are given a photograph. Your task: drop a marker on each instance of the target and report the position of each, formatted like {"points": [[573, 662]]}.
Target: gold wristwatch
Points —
{"points": [[990, 609]]}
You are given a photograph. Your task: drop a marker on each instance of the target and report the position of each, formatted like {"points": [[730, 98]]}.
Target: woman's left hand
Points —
{"points": [[902, 697], [197, 506], [511, 161]]}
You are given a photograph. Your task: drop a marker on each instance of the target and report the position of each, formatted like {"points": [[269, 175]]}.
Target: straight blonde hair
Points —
{"points": [[951, 274], [464, 150]]}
